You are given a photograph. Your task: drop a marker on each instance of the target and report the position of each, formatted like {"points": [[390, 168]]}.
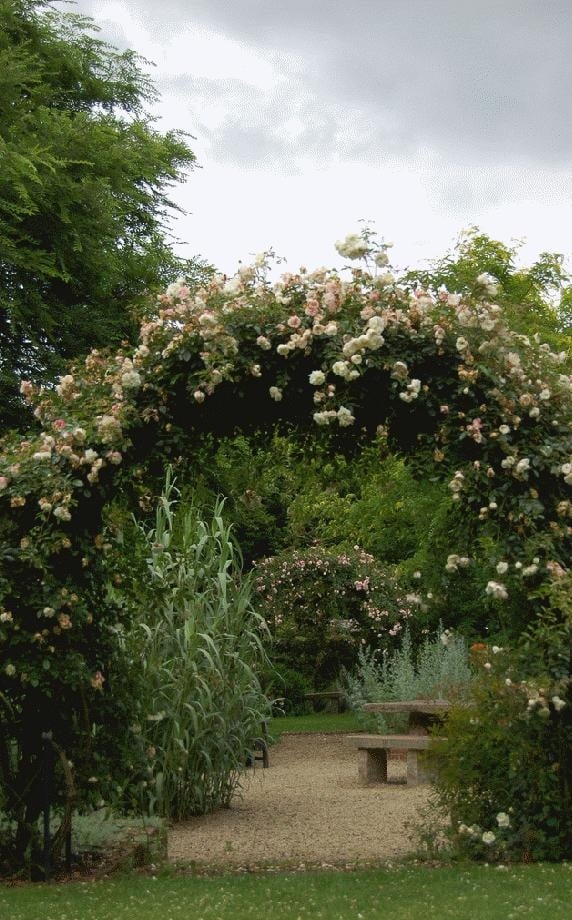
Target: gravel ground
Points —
{"points": [[307, 808]]}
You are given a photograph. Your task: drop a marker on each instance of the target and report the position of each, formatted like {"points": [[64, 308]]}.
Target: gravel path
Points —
{"points": [[309, 808]]}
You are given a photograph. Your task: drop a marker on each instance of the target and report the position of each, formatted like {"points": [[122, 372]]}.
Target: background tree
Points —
{"points": [[535, 298], [84, 177]]}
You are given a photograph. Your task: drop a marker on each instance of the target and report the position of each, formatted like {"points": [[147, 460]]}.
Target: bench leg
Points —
{"points": [[418, 769], [372, 765]]}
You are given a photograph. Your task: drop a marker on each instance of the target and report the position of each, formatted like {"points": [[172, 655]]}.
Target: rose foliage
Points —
{"points": [[483, 408]]}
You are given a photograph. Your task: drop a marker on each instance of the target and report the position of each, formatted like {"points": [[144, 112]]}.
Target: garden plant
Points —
{"points": [[475, 406]]}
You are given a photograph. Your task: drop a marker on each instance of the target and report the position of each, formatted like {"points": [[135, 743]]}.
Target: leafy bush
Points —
{"points": [[288, 688], [200, 643], [505, 769], [322, 605], [438, 669]]}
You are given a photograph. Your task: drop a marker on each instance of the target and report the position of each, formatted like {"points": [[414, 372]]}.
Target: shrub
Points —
{"points": [[288, 688], [439, 669], [505, 769], [322, 605]]}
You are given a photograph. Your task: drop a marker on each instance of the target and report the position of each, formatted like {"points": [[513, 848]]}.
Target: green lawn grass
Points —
{"points": [[316, 722], [404, 893]]}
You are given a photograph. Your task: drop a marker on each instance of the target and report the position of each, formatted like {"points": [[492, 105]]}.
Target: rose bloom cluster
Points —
{"points": [[501, 401]]}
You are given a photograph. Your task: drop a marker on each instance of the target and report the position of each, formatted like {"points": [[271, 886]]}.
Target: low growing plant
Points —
{"points": [[438, 669]]}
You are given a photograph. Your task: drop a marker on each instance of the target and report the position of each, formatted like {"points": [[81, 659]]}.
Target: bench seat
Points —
{"points": [[372, 756]]}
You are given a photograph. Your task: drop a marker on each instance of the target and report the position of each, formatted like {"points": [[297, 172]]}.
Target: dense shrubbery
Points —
{"points": [[323, 605], [505, 768]]}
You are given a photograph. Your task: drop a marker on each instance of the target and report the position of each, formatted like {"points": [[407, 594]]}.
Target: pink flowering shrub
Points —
{"points": [[322, 605]]}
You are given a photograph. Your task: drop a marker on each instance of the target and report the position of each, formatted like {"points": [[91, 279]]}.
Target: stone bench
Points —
{"points": [[336, 697], [372, 756]]}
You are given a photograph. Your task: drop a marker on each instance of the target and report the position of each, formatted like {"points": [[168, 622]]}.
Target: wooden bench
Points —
{"points": [[337, 697], [372, 757]]}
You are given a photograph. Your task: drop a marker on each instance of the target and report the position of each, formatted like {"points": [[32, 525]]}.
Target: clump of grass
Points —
{"points": [[200, 643]]}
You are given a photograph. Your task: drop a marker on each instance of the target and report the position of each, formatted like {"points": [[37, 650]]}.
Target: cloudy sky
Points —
{"points": [[422, 116]]}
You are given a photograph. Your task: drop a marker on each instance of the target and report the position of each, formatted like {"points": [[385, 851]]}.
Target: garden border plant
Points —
{"points": [[483, 408]]}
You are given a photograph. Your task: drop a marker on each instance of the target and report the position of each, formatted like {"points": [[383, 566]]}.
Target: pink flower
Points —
{"points": [[294, 321], [59, 424]]}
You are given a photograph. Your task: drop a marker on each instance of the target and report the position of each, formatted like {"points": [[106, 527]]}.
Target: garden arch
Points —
{"points": [[485, 408]]}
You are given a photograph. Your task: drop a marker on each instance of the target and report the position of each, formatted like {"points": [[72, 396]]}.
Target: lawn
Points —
{"points": [[316, 722], [403, 893]]}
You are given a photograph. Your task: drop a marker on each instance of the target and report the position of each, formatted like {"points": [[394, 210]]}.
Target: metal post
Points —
{"points": [[47, 753]]}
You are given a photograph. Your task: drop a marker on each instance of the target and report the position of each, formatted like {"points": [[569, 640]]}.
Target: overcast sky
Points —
{"points": [[423, 116]]}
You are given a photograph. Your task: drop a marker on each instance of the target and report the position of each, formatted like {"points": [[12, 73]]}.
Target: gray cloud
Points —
{"points": [[476, 82]]}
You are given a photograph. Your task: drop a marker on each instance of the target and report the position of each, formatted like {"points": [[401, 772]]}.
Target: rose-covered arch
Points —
{"points": [[485, 408]]}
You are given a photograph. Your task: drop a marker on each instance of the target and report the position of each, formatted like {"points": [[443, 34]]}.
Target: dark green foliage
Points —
{"points": [[84, 177], [506, 768], [536, 299]]}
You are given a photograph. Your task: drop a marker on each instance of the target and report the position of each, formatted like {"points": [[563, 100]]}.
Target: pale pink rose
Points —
{"points": [[294, 322]]}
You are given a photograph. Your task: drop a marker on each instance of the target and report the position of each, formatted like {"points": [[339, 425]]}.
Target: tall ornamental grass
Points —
{"points": [[201, 646]]}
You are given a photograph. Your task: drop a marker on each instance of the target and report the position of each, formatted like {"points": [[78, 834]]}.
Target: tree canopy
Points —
{"points": [[84, 180]]}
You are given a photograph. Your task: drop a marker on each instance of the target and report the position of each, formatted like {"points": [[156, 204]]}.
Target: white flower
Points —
{"points": [[324, 418], [131, 380], [340, 368], [317, 378], [503, 819], [232, 286], [489, 282], [283, 350], [399, 370], [10, 670], [61, 513], [199, 396], [497, 590], [275, 393], [523, 466], [502, 567], [461, 344], [345, 417], [529, 570], [504, 429], [488, 837], [263, 342], [353, 247], [558, 703], [43, 455]]}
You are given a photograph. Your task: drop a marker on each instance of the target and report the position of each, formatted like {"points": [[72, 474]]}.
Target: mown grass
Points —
{"points": [[316, 722], [404, 893]]}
